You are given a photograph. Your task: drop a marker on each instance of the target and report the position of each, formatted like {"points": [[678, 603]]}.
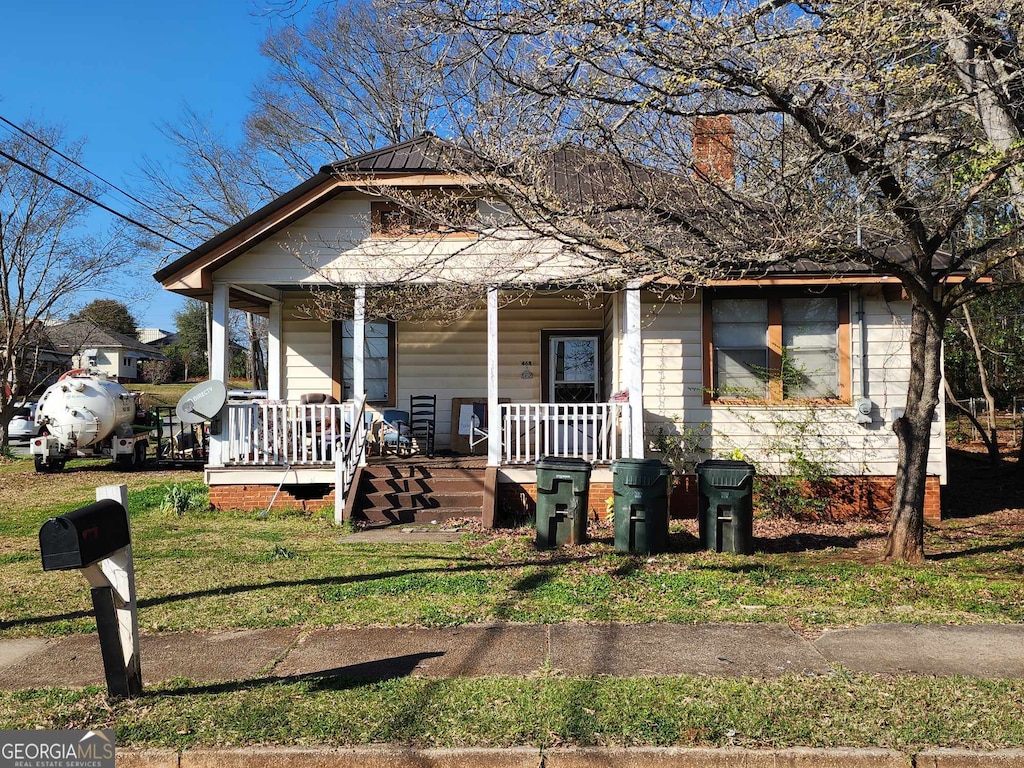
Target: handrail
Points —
{"points": [[349, 458]]}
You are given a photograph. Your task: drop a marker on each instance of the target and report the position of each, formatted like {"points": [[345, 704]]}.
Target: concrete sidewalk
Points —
{"points": [[738, 650]]}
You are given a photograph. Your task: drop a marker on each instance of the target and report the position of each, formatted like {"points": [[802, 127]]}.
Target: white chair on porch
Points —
{"points": [[478, 427]]}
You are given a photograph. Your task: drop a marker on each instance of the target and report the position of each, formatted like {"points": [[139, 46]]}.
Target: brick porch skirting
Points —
{"points": [[854, 497], [307, 497]]}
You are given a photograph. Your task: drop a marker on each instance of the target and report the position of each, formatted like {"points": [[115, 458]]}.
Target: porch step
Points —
{"points": [[399, 516], [424, 485], [405, 493], [421, 499]]}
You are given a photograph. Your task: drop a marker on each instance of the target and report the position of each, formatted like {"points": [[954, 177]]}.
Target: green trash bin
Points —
{"points": [[726, 520], [640, 488], [563, 488]]}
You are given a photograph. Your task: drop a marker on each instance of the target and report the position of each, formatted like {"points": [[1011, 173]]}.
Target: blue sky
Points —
{"points": [[111, 71]]}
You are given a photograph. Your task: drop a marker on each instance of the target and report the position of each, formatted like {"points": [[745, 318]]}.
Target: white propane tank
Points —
{"points": [[82, 408]]}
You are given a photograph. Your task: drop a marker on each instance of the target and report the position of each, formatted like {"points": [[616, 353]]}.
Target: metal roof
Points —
{"points": [[584, 179], [424, 154]]}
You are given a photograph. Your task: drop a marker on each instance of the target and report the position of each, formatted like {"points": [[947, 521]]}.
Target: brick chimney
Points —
{"points": [[713, 155]]}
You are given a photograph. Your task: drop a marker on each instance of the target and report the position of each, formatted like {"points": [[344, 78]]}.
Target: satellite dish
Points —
{"points": [[203, 402]]}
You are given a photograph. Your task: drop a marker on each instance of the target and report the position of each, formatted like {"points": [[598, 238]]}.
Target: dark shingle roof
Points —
{"points": [[81, 334]]}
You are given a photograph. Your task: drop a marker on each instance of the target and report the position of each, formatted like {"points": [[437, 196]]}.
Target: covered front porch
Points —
{"points": [[493, 376]]}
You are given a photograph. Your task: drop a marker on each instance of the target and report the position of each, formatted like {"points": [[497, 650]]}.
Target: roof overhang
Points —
{"points": [[191, 274]]}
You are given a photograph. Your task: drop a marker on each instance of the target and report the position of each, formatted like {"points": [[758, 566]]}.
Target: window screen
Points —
{"points": [[740, 341]]}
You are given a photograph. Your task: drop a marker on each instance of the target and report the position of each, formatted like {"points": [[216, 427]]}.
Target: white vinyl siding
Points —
{"points": [[332, 243], [674, 393], [307, 351]]}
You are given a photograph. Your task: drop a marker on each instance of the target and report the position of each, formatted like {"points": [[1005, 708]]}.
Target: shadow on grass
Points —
{"points": [[1012, 545], [357, 578], [805, 542], [149, 466], [337, 679]]}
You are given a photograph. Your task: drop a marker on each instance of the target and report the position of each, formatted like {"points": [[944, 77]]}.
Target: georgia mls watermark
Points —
{"points": [[57, 749]]}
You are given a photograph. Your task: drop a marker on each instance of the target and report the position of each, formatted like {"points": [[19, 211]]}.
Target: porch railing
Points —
{"points": [[278, 433], [596, 432]]}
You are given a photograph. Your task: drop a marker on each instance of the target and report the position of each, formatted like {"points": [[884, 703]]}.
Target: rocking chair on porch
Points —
{"points": [[422, 415]]}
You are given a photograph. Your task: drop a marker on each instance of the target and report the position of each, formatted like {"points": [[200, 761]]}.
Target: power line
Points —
{"points": [[77, 164], [85, 197]]}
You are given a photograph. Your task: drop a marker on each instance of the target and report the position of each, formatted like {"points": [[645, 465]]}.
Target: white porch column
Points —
{"points": [[275, 390], [634, 373], [219, 364], [493, 410], [358, 344]]}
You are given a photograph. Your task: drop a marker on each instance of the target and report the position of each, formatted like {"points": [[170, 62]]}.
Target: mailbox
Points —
{"points": [[84, 536]]}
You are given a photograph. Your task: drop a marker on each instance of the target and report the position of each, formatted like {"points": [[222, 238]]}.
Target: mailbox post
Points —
{"points": [[96, 539]]}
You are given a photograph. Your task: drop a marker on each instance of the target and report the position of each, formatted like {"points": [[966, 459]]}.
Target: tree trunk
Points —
{"points": [[993, 442], [913, 430], [993, 84], [250, 359]]}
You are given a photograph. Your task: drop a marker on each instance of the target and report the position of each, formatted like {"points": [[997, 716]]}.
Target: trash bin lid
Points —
{"points": [[565, 463], [724, 473], [640, 472]]}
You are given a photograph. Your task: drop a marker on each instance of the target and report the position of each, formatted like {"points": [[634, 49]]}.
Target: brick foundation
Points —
{"points": [[849, 498], [305, 498]]}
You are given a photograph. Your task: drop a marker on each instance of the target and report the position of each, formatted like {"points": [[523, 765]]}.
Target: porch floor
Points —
{"points": [[434, 462]]}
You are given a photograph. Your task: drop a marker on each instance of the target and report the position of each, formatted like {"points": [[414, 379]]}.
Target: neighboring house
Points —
{"points": [[157, 337], [89, 346], [598, 373], [39, 364]]}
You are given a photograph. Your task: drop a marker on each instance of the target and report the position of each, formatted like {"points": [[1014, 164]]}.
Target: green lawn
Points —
{"points": [[833, 711], [210, 570], [161, 394]]}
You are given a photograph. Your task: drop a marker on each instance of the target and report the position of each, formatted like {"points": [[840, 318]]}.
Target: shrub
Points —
{"points": [[182, 499]]}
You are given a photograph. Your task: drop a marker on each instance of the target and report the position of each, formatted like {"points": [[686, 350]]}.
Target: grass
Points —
{"points": [[840, 710], [204, 570], [170, 393], [161, 394]]}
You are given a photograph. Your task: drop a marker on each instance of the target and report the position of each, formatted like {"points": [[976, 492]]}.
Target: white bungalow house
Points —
{"points": [[113, 353], [602, 371]]}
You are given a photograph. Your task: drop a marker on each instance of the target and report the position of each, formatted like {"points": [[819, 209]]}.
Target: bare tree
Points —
{"points": [[343, 83], [46, 255], [899, 118], [209, 187]]}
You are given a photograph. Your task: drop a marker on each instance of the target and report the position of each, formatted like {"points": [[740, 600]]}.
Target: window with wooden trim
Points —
{"points": [[389, 219], [379, 370], [777, 347]]}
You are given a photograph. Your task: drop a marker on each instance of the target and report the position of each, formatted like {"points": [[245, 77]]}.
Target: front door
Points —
{"points": [[574, 370]]}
